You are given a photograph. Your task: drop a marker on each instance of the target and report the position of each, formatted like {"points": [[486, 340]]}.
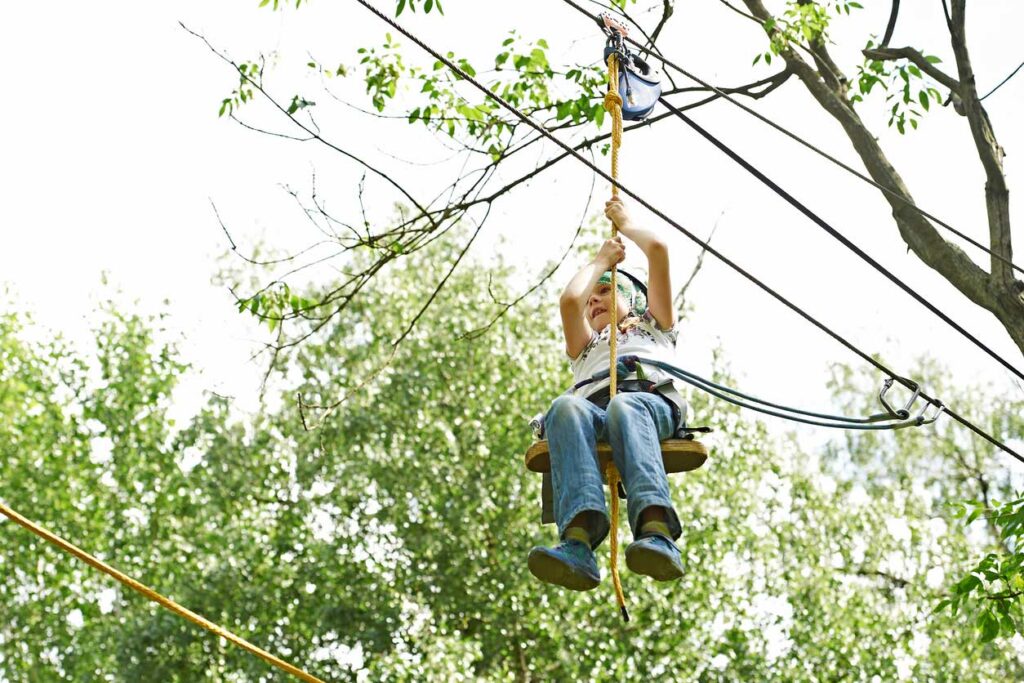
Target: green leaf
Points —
{"points": [[401, 7], [989, 626], [967, 584]]}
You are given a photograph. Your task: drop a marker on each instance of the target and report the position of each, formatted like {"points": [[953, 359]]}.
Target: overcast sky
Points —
{"points": [[112, 152]]}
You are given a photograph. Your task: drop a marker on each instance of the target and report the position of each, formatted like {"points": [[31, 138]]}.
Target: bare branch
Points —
{"points": [[997, 195], [895, 581], [740, 12], [666, 13], [253, 128], [252, 261], [480, 331], [330, 408], [444, 280], [314, 132], [1005, 595], [680, 300]]}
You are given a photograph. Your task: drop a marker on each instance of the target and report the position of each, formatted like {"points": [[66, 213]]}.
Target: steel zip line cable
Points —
{"points": [[825, 155], [694, 238]]}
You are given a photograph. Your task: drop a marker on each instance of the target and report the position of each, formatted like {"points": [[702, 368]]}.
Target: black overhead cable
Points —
{"points": [[891, 26], [909, 384], [1003, 82], [825, 155], [820, 222]]}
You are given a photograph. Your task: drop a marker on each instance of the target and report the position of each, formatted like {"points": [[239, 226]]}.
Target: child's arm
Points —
{"points": [[659, 285], [573, 302]]}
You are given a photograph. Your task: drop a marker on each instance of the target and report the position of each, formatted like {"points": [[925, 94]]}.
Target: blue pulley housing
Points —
{"points": [[638, 86]]}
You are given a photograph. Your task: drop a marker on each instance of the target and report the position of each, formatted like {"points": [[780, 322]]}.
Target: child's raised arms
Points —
{"points": [[580, 292], [659, 284]]}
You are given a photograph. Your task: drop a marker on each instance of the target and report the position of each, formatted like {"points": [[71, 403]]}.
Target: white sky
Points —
{"points": [[112, 150]]}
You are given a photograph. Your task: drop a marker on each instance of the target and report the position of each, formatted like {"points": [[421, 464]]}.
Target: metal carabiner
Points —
{"points": [[939, 409], [613, 27], [903, 413]]}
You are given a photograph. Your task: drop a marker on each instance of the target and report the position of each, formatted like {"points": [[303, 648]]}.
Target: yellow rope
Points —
{"points": [[613, 104], [156, 597]]}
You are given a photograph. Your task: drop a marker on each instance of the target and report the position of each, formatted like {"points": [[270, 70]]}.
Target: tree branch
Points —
{"points": [[920, 235], [888, 54], [680, 300], [666, 13], [997, 195], [896, 581]]}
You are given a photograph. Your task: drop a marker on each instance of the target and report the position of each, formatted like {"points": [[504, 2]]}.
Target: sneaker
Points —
{"points": [[656, 556], [570, 564]]}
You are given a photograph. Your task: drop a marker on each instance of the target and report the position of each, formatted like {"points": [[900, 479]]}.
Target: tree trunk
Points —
{"points": [[998, 292]]}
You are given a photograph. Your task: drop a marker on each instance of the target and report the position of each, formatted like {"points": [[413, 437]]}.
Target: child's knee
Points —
{"points": [[623, 407], [566, 408]]}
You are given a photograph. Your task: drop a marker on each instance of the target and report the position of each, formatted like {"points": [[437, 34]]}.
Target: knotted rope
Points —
{"points": [[613, 105]]}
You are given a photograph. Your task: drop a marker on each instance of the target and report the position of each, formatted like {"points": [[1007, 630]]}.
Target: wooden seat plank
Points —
{"points": [[679, 455]]}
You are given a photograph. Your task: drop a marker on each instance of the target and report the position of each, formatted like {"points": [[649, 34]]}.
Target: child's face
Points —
{"points": [[599, 306]]}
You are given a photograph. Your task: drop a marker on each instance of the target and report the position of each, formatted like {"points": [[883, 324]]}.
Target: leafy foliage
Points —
{"points": [[524, 79], [993, 589], [390, 543], [801, 23], [428, 5], [249, 73], [906, 87]]}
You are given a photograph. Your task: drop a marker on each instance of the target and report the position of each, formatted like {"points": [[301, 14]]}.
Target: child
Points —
{"points": [[643, 412]]}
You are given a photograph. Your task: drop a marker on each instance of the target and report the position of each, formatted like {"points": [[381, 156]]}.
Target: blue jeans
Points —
{"points": [[634, 425]]}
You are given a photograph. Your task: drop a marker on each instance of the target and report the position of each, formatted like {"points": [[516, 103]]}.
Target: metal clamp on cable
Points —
{"points": [[904, 412], [939, 409]]}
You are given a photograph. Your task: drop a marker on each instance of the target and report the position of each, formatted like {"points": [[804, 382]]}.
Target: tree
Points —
{"points": [[805, 26], [567, 99], [390, 542]]}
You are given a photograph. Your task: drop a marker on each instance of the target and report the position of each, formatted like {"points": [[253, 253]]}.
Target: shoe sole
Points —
{"points": [[652, 563], [550, 570]]}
